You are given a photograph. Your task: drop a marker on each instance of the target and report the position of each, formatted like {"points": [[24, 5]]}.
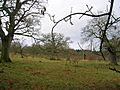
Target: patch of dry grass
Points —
{"points": [[42, 74]]}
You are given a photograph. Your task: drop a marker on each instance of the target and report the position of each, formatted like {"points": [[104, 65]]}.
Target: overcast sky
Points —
{"points": [[61, 8]]}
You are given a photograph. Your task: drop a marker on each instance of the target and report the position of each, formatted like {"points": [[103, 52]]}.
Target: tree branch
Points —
{"points": [[106, 26]]}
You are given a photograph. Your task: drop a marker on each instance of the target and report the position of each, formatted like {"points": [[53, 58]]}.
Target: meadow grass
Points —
{"points": [[43, 74]]}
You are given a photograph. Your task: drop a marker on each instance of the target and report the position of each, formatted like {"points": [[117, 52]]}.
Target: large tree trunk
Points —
{"points": [[113, 57], [6, 42]]}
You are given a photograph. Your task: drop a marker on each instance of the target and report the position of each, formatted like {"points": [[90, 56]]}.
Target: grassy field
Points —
{"points": [[42, 74]]}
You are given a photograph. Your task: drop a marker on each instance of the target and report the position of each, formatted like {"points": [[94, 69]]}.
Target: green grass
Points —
{"points": [[42, 74]]}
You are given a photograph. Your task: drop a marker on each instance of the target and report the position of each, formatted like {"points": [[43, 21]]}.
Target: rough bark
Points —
{"points": [[6, 42], [113, 57]]}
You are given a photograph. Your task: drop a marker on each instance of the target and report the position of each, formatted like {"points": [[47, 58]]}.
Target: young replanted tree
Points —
{"points": [[60, 42], [18, 17], [17, 47], [35, 49]]}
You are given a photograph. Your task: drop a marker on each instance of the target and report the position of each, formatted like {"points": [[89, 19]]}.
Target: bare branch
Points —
{"points": [[73, 14], [89, 9], [106, 27], [27, 35], [114, 69]]}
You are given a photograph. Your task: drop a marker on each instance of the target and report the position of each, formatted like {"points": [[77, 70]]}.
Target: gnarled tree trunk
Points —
{"points": [[113, 57], [6, 42]]}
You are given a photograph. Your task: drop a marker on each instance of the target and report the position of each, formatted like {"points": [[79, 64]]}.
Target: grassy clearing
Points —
{"points": [[42, 74]]}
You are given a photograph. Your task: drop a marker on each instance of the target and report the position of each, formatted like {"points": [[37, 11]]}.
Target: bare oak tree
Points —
{"points": [[94, 31], [90, 14], [18, 17]]}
